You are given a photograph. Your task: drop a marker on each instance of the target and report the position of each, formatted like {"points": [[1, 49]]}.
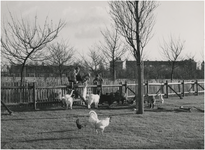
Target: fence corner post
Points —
{"points": [[34, 95]]}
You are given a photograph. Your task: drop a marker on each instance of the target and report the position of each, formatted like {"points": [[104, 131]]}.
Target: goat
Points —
{"points": [[161, 97], [92, 98], [150, 99], [119, 97], [112, 97], [67, 100], [109, 98]]}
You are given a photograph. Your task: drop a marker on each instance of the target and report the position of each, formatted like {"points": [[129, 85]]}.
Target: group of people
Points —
{"points": [[76, 78]]}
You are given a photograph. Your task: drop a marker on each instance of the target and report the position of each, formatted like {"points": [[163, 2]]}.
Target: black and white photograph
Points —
{"points": [[102, 74]]}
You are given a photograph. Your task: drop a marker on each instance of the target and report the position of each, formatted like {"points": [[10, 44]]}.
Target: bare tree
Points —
{"points": [[60, 54], [112, 48], [22, 40], [94, 59], [135, 21], [171, 51]]}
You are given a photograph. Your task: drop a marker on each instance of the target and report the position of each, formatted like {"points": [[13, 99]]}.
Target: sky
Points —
{"points": [[85, 20]]}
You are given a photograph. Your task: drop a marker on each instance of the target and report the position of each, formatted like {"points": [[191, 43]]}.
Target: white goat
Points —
{"points": [[161, 97], [92, 98], [67, 100]]}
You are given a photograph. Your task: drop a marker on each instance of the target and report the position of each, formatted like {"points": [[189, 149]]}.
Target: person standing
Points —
{"points": [[74, 78], [75, 75], [97, 81]]}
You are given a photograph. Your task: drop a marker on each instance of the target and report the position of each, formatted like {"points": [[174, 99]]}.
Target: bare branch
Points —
{"points": [[171, 50], [23, 40], [125, 18]]}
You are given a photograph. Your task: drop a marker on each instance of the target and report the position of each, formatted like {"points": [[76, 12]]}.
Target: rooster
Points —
{"points": [[98, 124], [79, 125]]}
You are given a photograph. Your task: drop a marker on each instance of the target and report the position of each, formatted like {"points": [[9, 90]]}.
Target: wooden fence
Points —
{"points": [[31, 94]]}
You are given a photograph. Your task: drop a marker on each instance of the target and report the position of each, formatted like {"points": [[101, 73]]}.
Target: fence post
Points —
{"points": [[197, 90], [10, 112], [101, 89], [34, 95], [179, 88], [147, 84], [120, 88], [167, 92], [126, 91], [182, 88], [20, 91], [193, 86], [95, 88], [162, 89]]}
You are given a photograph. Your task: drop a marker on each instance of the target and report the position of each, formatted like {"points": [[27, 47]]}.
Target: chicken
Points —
{"points": [[80, 125], [98, 124]]}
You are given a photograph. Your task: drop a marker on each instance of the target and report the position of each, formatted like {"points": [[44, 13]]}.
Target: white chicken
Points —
{"points": [[98, 124]]}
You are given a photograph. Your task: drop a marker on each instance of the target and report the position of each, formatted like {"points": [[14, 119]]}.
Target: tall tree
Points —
{"points": [[60, 54], [135, 21], [171, 51], [112, 48], [22, 40]]}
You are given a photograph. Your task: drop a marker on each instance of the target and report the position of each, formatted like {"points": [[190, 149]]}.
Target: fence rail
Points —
{"points": [[30, 93]]}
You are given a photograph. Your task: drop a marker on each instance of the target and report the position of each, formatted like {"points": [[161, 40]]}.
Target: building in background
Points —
{"points": [[39, 70], [161, 69], [186, 69], [118, 67]]}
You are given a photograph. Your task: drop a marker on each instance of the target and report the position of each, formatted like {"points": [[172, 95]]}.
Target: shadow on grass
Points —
{"points": [[52, 139], [176, 109], [25, 108], [22, 119], [59, 131]]}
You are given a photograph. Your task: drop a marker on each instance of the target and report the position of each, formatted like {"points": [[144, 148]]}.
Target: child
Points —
{"points": [[97, 81]]}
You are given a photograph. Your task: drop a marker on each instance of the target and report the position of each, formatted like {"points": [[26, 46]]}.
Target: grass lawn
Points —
{"points": [[55, 128]]}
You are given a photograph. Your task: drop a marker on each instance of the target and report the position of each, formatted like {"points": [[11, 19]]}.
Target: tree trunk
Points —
{"points": [[113, 69], [140, 97], [60, 72], [22, 73], [139, 69], [172, 71], [61, 79]]}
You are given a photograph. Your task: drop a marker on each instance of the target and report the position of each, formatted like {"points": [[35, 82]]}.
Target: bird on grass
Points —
{"points": [[79, 125], [98, 124]]}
